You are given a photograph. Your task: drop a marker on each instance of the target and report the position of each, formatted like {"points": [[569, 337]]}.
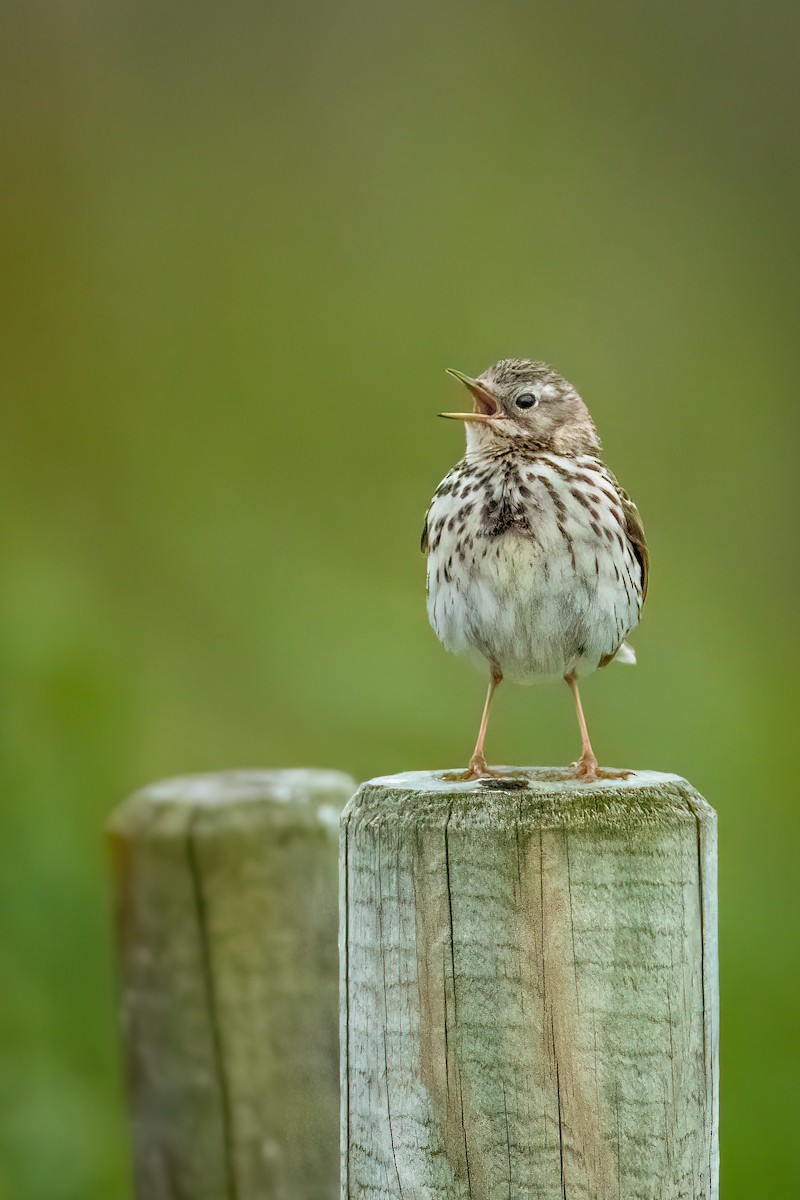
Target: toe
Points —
{"points": [[590, 772], [585, 769], [479, 769]]}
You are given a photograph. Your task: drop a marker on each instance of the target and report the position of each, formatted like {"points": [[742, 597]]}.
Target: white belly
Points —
{"points": [[538, 603]]}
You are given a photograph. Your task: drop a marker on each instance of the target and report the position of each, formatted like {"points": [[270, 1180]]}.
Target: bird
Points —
{"points": [[537, 562]]}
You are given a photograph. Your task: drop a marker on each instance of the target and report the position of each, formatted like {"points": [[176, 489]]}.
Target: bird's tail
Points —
{"points": [[626, 654]]}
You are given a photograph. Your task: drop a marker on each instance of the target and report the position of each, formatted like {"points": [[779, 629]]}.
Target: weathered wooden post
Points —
{"points": [[529, 989], [226, 918]]}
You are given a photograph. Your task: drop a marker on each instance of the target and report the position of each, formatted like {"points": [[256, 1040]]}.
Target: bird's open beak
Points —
{"points": [[486, 403]]}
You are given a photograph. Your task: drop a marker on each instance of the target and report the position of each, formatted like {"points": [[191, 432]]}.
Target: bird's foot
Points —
{"points": [[586, 769], [478, 769]]}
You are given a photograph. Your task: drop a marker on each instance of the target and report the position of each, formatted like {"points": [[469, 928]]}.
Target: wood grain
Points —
{"points": [[226, 938], [529, 990]]}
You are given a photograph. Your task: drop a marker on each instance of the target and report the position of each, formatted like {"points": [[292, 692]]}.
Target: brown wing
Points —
{"points": [[635, 531], [423, 541]]}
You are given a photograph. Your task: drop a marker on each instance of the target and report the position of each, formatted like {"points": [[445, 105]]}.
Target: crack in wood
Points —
{"points": [[206, 960], [560, 1128], [344, 1000], [508, 1140], [389, 1114], [450, 906]]}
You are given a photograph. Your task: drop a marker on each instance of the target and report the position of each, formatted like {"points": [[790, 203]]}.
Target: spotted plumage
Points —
{"points": [[537, 561]]}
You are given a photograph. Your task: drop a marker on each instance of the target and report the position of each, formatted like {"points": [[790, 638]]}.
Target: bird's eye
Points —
{"points": [[526, 400]]}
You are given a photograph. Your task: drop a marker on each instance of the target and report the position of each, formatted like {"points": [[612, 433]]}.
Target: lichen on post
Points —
{"points": [[529, 989], [226, 891]]}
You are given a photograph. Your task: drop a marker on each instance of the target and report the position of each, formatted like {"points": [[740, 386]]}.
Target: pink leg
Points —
{"points": [[477, 764], [586, 766]]}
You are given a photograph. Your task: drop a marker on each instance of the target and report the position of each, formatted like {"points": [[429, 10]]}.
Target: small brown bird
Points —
{"points": [[537, 560]]}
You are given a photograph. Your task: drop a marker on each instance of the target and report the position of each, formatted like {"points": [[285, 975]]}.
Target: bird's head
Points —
{"points": [[518, 400]]}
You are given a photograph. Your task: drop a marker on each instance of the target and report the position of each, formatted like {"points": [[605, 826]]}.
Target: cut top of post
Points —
{"points": [[543, 796], [316, 795]]}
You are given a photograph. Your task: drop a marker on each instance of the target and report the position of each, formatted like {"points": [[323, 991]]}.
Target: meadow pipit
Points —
{"points": [[537, 561]]}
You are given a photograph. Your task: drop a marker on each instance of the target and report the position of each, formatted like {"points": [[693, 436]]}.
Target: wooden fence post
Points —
{"points": [[529, 989], [226, 943]]}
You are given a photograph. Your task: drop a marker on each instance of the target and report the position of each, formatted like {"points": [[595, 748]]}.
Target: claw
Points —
{"points": [[478, 769], [587, 771]]}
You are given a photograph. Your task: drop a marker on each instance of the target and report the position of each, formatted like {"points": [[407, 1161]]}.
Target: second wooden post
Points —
{"points": [[226, 945], [529, 990]]}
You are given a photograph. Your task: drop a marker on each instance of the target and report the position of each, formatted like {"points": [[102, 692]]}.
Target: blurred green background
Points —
{"points": [[241, 243]]}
